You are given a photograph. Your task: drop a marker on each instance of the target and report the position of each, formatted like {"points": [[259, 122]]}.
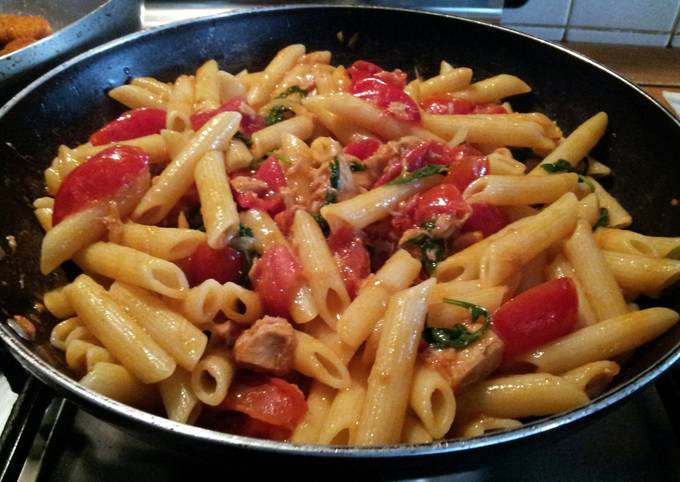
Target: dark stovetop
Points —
{"points": [[49, 439]]}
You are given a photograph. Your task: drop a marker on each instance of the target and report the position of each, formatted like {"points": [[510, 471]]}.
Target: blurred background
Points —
{"points": [[633, 22]]}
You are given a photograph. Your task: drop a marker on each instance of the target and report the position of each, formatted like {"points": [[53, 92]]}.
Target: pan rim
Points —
{"points": [[91, 400]]}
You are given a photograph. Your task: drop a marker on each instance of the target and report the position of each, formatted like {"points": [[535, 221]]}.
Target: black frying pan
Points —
{"points": [[641, 146]]}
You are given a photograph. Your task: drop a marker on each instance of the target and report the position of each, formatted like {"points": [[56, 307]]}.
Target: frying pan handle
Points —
{"points": [[22, 427]]}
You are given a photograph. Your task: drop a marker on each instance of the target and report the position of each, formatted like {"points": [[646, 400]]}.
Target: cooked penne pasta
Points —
{"points": [[134, 267], [119, 332], [326, 254], [389, 384], [602, 340]]}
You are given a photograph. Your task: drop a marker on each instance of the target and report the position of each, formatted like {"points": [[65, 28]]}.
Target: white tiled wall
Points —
{"points": [[637, 22]]}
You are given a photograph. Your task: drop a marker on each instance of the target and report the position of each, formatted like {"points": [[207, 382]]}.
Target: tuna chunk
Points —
{"points": [[268, 346], [472, 364]]}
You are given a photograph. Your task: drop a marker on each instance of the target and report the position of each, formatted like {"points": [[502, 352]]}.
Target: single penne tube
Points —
{"points": [[155, 86], [57, 304], [269, 138], [174, 333], [238, 156], [180, 402], [444, 315], [589, 209], [617, 215], [493, 89], [366, 115], [594, 274], [263, 87], [520, 190], [604, 340], [487, 130], [316, 360], [165, 243], [510, 253], [629, 242], [62, 330], [414, 432], [72, 234], [502, 163], [562, 268], [432, 401], [134, 267], [319, 267], [329, 337], [115, 381], [177, 176], [579, 143], [207, 90], [240, 304], [265, 231], [518, 396], [319, 400], [203, 302], [549, 126], [44, 217], [81, 356], [134, 97], [356, 322], [154, 145], [218, 207], [444, 66], [175, 141], [593, 378], [642, 274], [532, 274], [127, 341], [373, 205], [450, 81], [390, 381], [478, 425], [180, 104], [465, 264], [343, 129], [212, 377], [413, 90], [341, 421], [229, 86]]}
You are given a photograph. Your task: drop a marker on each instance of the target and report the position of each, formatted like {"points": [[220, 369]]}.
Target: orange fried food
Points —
{"points": [[16, 44], [26, 26]]}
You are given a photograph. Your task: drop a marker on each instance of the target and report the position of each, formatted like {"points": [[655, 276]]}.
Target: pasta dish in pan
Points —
{"points": [[338, 255]]}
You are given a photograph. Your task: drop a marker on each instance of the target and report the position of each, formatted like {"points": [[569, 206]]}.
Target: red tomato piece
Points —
{"points": [[486, 218], [362, 149], [271, 172], [417, 155], [223, 265], [361, 69], [132, 124], [250, 122], [537, 316], [440, 199], [267, 399], [276, 277], [465, 170], [99, 178], [351, 256], [390, 98]]}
